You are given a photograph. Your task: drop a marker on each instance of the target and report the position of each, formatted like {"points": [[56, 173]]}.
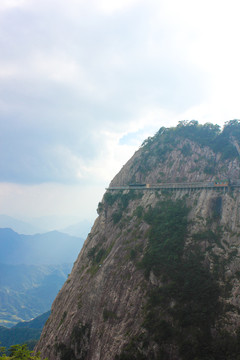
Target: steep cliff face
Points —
{"points": [[158, 276]]}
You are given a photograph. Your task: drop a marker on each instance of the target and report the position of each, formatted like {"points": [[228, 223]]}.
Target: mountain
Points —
{"points": [[36, 323], [49, 248], [159, 275], [40, 225], [28, 284], [24, 332], [27, 291], [19, 226], [80, 229], [60, 223]]}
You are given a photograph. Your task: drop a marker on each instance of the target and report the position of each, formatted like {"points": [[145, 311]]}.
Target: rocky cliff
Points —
{"points": [[158, 276]]}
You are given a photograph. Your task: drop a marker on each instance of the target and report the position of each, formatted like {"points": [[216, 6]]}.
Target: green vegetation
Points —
{"points": [[108, 314], [27, 332], [133, 254], [210, 168], [209, 237], [223, 143], [122, 200], [186, 150], [63, 318], [205, 135], [100, 208], [116, 217], [139, 212], [189, 294], [97, 254], [79, 341], [202, 134], [216, 208], [80, 337], [66, 353], [110, 197], [183, 310], [134, 350], [18, 352], [168, 227]]}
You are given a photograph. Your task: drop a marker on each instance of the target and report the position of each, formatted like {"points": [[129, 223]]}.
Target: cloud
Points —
{"points": [[10, 4], [50, 199], [110, 7], [79, 81]]}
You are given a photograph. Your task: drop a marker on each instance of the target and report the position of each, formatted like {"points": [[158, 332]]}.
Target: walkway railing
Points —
{"points": [[176, 186]]}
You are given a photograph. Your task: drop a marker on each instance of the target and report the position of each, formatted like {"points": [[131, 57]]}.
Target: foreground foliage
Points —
{"points": [[18, 352]]}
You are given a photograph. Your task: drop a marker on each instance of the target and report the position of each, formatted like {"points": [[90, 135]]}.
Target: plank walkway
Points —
{"points": [[177, 186]]}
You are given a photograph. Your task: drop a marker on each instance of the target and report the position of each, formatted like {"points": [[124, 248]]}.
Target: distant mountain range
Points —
{"points": [[27, 291], [19, 226], [24, 332], [81, 229], [69, 224], [50, 248], [33, 269]]}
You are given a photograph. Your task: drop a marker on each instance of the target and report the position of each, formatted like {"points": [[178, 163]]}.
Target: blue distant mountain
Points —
{"points": [[36, 225], [33, 269], [50, 248], [80, 229], [19, 226], [27, 291], [23, 332]]}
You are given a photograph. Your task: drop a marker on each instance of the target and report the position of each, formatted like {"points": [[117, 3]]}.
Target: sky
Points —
{"points": [[83, 83]]}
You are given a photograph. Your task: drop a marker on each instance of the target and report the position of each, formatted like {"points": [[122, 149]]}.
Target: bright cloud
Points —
{"points": [[83, 83], [11, 4], [50, 199], [110, 7]]}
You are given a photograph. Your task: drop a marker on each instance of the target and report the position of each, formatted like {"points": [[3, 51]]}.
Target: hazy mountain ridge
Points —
{"points": [[50, 248], [158, 276], [33, 269], [19, 226], [27, 291], [79, 229], [65, 224], [24, 332]]}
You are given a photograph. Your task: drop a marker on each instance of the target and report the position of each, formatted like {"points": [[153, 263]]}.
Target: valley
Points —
{"points": [[33, 269]]}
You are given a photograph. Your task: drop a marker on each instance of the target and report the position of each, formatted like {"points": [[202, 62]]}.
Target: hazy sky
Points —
{"points": [[84, 82]]}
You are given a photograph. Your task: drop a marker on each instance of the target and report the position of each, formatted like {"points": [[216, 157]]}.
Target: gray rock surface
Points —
{"points": [[101, 305]]}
